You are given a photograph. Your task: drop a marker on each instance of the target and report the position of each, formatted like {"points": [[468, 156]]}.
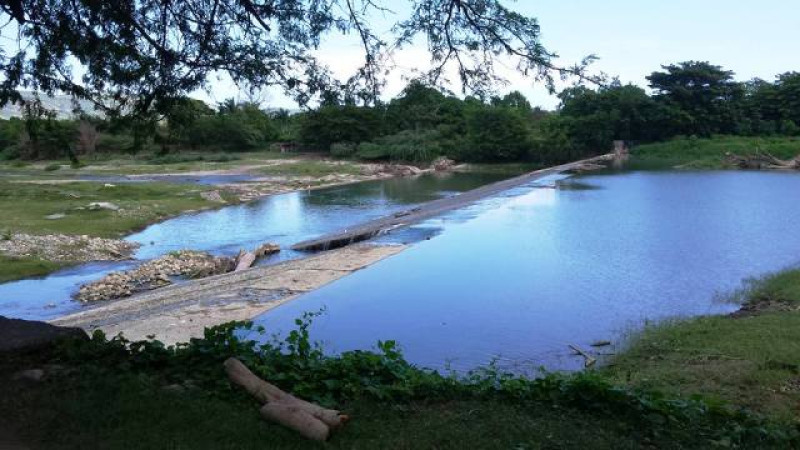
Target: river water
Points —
{"points": [[283, 219], [514, 278], [517, 278]]}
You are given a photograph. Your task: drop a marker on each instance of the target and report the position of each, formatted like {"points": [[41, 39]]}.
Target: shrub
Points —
{"points": [[343, 149], [52, 167], [114, 143], [408, 145], [372, 152]]}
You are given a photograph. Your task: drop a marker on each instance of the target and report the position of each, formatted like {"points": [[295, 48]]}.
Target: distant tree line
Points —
{"points": [[423, 123]]}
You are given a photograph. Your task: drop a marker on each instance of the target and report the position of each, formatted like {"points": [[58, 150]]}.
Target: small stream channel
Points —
{"points": [[284, 219]]}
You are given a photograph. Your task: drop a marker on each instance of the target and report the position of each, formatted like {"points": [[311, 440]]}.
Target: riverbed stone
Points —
{"points": [[35, 375], [17, 335], [154, 274], [212, 196], [103, 205], [66, 248]]}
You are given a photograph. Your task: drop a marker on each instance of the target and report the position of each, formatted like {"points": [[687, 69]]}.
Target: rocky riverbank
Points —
{"points": [[65, 248], [155, 274]]}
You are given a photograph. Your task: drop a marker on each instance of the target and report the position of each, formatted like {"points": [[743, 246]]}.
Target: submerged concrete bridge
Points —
{"points": [[409, 217]]}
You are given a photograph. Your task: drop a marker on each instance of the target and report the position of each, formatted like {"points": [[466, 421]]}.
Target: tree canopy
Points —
{"points": [[139, 56]]}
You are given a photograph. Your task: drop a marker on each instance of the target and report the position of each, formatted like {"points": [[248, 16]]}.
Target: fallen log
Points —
{"points": [[244, 260], [294, 418], [305, 417], [589, 359], [762, 160]]}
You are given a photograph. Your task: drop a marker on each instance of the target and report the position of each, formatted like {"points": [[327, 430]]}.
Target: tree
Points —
{"points": [[705, 92], [618, 112], [496, 133], [137, 56], [328, 125], [514, 100], [421, 107], [182, 116]]}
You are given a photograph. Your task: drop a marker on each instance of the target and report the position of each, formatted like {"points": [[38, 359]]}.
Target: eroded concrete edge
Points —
{"points": [[179, 313]]}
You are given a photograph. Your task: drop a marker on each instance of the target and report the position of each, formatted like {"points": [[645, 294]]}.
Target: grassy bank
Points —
{"points": [[693, 153], [123, 164], [26, 206], [750, 359], [113, 394], [16, 268]]}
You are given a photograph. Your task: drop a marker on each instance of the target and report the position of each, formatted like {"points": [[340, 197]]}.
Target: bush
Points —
{"points": [[372, 152], [12, 152], [343, 149], [52, 167], [408, 145], [176, 158], [114, 143]]}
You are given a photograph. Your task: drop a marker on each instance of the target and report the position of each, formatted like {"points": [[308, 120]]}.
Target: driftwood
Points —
{"points": [[309, 419], [589, 359], [762, 160], [244, 260], [267, 249], [294, 418]]}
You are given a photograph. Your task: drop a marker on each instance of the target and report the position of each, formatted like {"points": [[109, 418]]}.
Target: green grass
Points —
{"points": [[693, 153], [310, 168], [123, 164], [779, 288], [25, 206], [751, 359], [127, 412], [16, 268], [113, 394]]}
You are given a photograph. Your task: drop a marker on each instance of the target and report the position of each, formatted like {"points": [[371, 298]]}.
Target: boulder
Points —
{"points": [[17, 335], [94, 206], [442, 164], [267, 249], [212, 196]]}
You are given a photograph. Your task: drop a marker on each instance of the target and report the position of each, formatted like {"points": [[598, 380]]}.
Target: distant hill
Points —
{"points": [[61, 104]]}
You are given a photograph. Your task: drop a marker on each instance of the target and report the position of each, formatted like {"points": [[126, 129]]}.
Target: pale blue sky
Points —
{"points": [[633, 38]]}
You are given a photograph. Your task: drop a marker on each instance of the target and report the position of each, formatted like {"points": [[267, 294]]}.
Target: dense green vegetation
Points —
{"points": [[117, 394], [749, 359], [696, 153], [691, 101]]}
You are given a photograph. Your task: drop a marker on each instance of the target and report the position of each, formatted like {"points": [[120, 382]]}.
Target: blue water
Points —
{"points": [[284, 219], [519, 277]]}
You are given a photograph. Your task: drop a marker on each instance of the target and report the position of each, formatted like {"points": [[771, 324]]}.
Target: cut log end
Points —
{"points": [[285, 408], [297, 419]]}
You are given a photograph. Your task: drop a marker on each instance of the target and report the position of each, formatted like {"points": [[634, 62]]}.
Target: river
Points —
{"points": [[283, 219], [515, 279]]}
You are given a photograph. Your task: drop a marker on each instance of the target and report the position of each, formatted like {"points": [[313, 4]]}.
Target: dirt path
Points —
{"points": [[178, 313]]}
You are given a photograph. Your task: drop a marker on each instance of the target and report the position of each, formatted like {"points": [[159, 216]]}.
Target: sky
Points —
{"points": [[631, 38]]}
